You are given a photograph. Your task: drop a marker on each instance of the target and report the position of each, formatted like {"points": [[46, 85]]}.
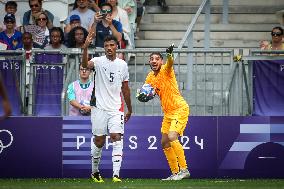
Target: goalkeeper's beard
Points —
{"points": [[151, 67]]}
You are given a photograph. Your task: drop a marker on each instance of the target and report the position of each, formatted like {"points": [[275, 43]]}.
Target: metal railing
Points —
{"points": [[219, 85], [187, 39], [11, 61], [211, 69]]}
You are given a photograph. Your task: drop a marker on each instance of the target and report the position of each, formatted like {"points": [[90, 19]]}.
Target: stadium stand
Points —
{"points": [[248, 23]]}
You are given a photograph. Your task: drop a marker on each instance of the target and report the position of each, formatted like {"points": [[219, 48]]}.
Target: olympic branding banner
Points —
{"points": [[251, 147], [48, 85], [143, 155], [30, 147], [215, 147], [268, 91], [10, 71]]}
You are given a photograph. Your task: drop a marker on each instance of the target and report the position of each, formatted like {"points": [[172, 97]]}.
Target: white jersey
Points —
{"points": [[108, 81]]}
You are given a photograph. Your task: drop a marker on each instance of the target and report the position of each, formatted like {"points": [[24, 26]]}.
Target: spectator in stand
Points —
{"points": [[130, 7], [162, 4], [77, 37], [74, 21], [27, 39], [104, 25], [56, 39], [10, 36], [79, 94], [140, 12], [36, 8], [86, 15], [276, 42], [11, 8], [27, 46], [93, 5], [121, 15], [45, 24], [100, 2]]}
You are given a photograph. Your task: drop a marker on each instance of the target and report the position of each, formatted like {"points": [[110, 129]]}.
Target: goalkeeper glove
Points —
{"points": [[143, 97], [169, 50]]}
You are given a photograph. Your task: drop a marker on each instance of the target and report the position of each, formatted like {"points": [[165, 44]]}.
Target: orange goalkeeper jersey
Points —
{"points": [[166, 87]]}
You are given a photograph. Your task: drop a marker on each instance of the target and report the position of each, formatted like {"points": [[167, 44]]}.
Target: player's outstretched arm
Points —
{"points": [[88, 41], [170, 56]]}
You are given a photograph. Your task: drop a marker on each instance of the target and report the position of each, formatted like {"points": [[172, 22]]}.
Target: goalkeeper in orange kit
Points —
{"points": [[176, 111]]}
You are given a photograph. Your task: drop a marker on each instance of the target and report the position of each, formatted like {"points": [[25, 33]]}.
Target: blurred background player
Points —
{"points": [[5, 100], [79, 94], [176, 111], [27, 47]]}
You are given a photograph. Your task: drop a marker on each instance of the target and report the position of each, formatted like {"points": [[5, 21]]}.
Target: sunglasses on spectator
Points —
{"points": [[85, 69], [41, 19], [105, 11], [274, 34], [36, 5]]}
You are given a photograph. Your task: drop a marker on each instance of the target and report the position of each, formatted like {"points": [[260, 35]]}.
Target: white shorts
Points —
{"points": [[105, 122]]}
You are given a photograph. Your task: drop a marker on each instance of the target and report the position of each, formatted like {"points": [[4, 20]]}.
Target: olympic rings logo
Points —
{"points": [[3, 145]]}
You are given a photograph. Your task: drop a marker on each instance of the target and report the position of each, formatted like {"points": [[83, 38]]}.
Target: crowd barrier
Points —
{"points": [[12, 72], [49, 80], [211, 82], [46, 78]]}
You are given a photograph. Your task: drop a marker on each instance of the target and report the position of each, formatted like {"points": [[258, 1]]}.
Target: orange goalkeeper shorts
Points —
{"points": [[177, 122]]}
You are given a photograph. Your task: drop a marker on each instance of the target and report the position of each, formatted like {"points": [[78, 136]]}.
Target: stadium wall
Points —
{"points": [[215, 147]]}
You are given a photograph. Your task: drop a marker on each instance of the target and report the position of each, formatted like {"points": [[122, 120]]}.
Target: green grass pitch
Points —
{"points": [[142, 184]]}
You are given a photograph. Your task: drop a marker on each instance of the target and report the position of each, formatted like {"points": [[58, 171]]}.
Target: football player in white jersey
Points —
{"points": [[107, 116]]}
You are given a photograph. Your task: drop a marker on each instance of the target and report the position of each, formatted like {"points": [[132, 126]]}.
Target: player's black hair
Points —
{"points": [[110, 38], [156, 53]]}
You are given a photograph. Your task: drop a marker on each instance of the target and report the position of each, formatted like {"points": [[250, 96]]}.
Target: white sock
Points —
{"points": [[117, 156], [96, 157]]}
